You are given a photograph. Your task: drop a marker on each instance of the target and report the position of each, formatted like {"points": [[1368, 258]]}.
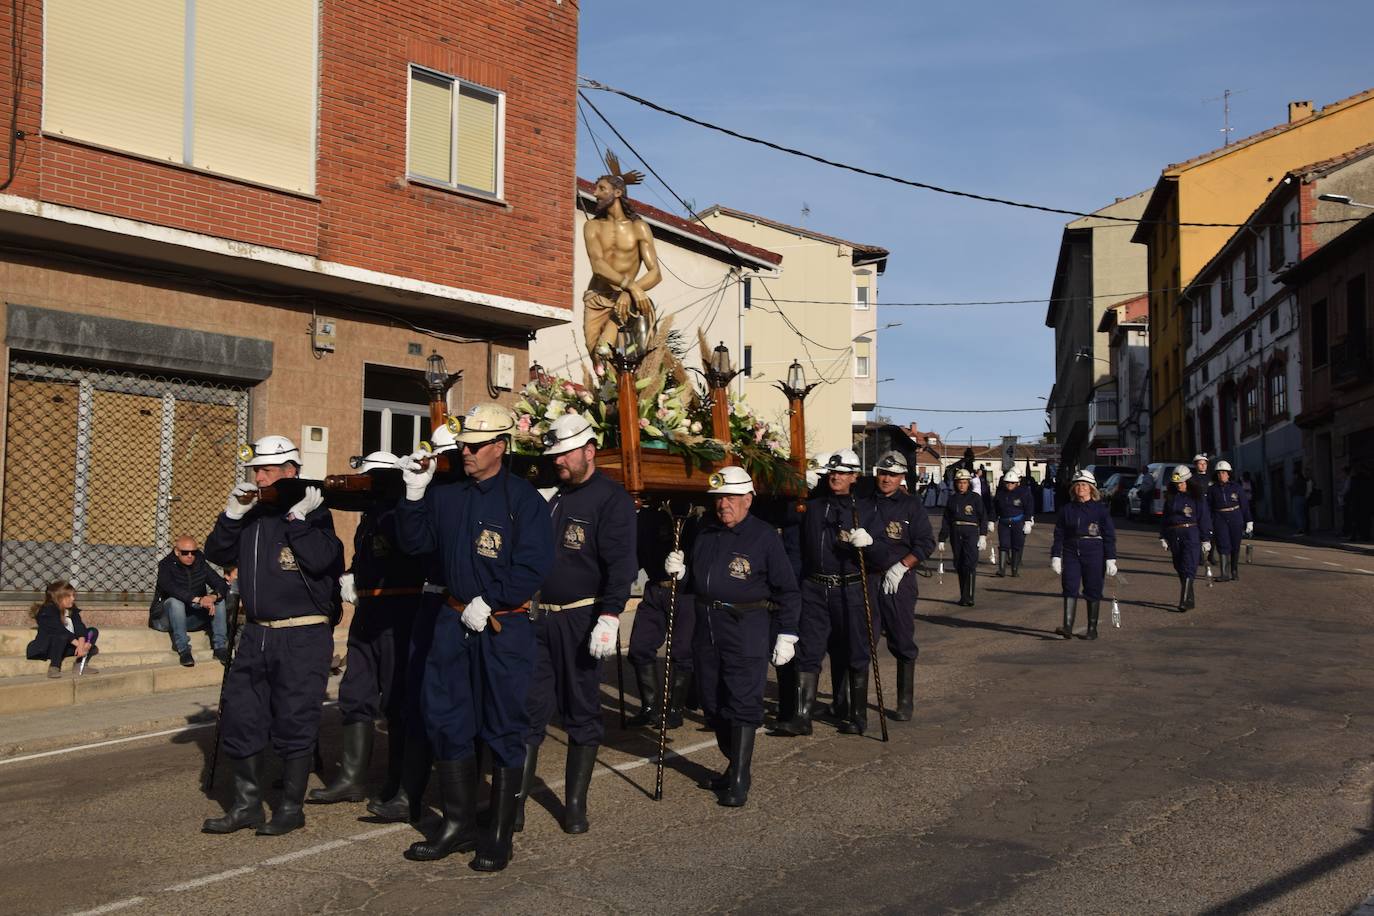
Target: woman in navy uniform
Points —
{"points": [[963, 523], [1013, 515], [1084, 550], [289, 566], [740, 579], [1230, 509], [902, 539], [1185, 531], [492, 533]]}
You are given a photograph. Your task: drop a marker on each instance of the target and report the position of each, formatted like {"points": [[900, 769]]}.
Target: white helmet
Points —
{"points": [[891, 463], [375, 461], [730, 481], [1083, 477], [1200, 457], [1011, 477], [821, 462], [485, 422], [269, 451], [569, 431], [1223, 466], [844, 461], [963, 474], [1181, 473], [444, 439]]}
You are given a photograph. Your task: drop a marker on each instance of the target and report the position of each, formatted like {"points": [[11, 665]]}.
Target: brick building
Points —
{"points": [[222, 218]]}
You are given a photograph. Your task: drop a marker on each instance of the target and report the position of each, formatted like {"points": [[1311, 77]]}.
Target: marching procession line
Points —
{"points": [[346, 841]]}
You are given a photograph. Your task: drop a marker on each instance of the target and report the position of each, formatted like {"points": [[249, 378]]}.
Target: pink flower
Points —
{"points": [[758, 433], [523, 424], [661, 413], [586, 397], [599, 369], [568, 388], [643, 422]]}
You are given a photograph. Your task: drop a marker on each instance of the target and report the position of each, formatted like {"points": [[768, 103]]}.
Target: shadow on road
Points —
{"points": [[963, 623], [1297, 876]]}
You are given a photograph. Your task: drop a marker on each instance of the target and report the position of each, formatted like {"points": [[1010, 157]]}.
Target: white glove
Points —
{"points": [[1249, 529], [858, 537], [676, 564], [604, 636], [235, 509], [893, 578], [311, 501], [476, 614], [1057, 564], [347, 591], [1206, 547], [1111, 567], [416, 478], [1165, 544], [992, 527], [783, 649], [1026, 527], [982, 542]]}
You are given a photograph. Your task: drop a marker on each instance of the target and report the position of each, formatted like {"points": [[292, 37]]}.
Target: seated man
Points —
{"points": [[192, 596]]}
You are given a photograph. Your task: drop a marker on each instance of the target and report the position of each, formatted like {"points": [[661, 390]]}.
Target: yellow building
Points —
{"points": [[1222, 186]]}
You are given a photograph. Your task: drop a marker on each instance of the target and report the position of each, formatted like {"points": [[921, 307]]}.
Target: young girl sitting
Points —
{"points": [[60, 630]]}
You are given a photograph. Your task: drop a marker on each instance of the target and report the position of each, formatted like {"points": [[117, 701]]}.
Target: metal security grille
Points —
{"points": [[103, 468]]}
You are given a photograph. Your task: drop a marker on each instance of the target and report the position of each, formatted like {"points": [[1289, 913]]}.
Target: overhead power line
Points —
{"points": [[588, 83]]}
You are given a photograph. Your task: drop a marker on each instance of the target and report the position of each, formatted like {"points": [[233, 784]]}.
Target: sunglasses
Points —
{"points": [[476, 447], [186, 553]]}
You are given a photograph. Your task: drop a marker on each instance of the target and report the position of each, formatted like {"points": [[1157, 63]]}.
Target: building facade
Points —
{"points": [[822, 310], [1222, 186], [263, 219], [1127, 327], [1097, 269]]}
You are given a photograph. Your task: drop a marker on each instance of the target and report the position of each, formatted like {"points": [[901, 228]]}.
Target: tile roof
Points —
{"points": [[688, 227], [874, 250]]}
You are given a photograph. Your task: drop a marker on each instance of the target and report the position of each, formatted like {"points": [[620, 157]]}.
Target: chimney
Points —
{"points": [[1299, 111]]}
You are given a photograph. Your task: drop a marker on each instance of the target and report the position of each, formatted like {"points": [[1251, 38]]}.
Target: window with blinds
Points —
{"points": [[229, 86], [455, 132]]}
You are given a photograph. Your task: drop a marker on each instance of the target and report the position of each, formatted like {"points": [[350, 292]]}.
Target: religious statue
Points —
{"points": [[619, 246]]}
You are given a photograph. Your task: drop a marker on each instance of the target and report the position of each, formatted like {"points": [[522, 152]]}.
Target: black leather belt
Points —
{"points": [[834, 581], [1185, 525], [1229, 509], [738, 610]]}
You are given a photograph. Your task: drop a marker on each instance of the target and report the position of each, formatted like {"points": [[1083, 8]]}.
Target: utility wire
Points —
{"points": [[587, 83]]}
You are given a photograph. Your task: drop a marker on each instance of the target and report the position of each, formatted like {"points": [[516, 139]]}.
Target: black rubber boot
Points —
{"points": [[577, 777], [408, 802], [858, 703], [800, 725], [458, 792], [963, 589], [677, 698], [1225, 563], [1182, 595], [906, 690], [787, 693], [722, 782], [246, 808], [526, 784], [395, 759], [494, 848], [1235, 566], [289, 815], [1093, 607], [1001, 563], [736, 791], [972, 582], [1190, 598], [839, 695], [646, 676], [1015, 563], [355, 754], [1070, 611]]}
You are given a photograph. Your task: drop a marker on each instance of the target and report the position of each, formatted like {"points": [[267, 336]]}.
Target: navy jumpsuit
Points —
{"points": [[1230, 509], [1085, 538], [900, 527], [1187, 522]]}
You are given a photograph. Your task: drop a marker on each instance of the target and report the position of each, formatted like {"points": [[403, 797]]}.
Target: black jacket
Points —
{"points": [[287, 567], [50, 624], [187, 583]]}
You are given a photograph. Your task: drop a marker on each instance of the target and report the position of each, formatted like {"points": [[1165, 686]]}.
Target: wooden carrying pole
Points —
{"points": [[628, 403]]}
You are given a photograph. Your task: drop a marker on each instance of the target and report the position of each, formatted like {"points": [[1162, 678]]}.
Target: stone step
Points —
{"points": [[19, 666], [99, 616], [31, 693], [14, 640]]}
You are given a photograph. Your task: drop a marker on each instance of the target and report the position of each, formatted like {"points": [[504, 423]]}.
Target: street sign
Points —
{"points": [[1115, 452], [1008, 453]]}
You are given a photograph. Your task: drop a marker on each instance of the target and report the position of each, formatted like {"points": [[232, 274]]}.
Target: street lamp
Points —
{"points": [[795, 389], [438, 380], [890, 324], [629, 351], [1344, 199], [718, 376]]}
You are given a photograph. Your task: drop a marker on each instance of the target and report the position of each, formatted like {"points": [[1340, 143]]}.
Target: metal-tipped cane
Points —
{"points": [[1116, 607], [667, 694], [620, 678], [231, 607], [942, 563], [872, 638]]}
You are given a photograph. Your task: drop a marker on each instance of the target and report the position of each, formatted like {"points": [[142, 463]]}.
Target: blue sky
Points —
{"points": [[1069, 104]]}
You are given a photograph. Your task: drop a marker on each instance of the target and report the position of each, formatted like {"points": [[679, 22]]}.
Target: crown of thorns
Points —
{"points": [[633, 176]]}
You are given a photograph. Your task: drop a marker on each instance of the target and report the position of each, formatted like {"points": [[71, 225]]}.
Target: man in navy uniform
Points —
{"points": [[577, 611], [962, 525], [902, 539], [740, 573], [832, 597], [491, 533], [1013, 517], [383, 585], [289, 565], [650, 630]]}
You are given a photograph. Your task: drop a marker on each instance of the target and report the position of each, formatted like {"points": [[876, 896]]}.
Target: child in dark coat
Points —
{"points": [[60, 630]]}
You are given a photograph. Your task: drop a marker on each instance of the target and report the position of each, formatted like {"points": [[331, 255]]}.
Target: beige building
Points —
{"points": [[821, 309], [704, 283]]}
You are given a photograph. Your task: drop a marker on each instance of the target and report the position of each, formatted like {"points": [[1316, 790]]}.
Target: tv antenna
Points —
{"points": [[1225, 99]]}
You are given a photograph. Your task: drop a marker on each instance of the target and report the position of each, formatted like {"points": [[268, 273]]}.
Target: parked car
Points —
{"points": [[1102, 471], [1114, 490], [1143, 498]]}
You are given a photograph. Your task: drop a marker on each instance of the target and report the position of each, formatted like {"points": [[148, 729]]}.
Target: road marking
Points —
{"points": [[87, 747], [303, 853], [1298, 556], [209, 879], [112, 907]]}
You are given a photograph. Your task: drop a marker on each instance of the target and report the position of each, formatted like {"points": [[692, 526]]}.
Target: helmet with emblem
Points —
{"points": [[844, 461], [375, 461], [569, 431], [1084, 477], [1011, 477], [963, 474], [891, 463], [485, 422], [270, 451], [730, 481], [1181, 473], [1223, 466], [444, 439]]}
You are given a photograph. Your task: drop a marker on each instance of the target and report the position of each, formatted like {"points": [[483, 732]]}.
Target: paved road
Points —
{"points": [[1218, 761]]}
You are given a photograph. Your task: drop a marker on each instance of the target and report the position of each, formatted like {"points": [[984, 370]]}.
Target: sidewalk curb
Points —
{"points": [[1307, 540]]}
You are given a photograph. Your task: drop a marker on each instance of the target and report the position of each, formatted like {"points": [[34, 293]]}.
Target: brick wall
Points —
{"points": [[364, 213]]}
